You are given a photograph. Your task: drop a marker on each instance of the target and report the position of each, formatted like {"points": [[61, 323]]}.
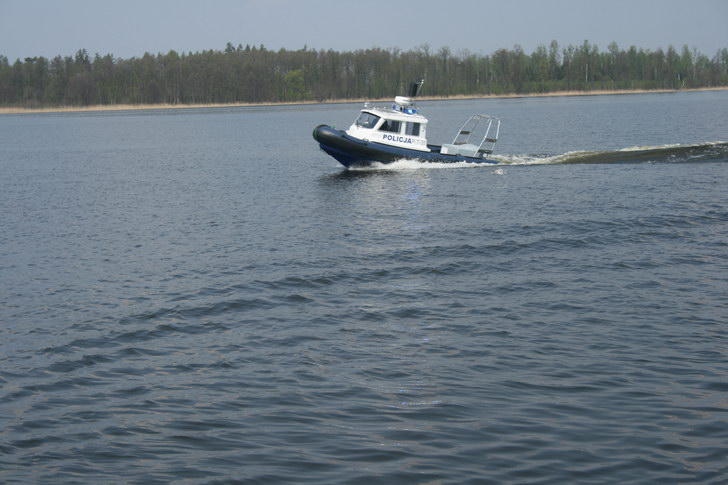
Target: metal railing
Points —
{"points": [[485, 125]]}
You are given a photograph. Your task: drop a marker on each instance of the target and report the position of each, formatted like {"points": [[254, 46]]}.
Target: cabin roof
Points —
{"points": [[392, 114]]}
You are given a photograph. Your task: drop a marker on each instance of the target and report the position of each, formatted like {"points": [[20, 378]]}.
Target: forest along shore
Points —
{"points": [[129, 107]]}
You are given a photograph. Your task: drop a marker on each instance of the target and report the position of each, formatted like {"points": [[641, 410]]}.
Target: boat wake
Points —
{"points": [[704, 152]]}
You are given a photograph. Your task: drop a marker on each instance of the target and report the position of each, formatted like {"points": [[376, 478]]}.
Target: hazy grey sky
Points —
{"points": [[129, 28]]}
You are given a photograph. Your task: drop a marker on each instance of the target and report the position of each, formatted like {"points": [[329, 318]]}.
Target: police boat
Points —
{"points": [[386, 135]]}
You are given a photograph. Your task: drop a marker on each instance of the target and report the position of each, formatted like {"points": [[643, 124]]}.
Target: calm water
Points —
{"points": [[203, 296]]}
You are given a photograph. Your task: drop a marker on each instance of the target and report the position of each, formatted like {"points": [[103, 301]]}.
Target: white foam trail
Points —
{"points": [[584, 156], [706, 144], [658, 147], [604, 155], [413, 164], [538, 159]]}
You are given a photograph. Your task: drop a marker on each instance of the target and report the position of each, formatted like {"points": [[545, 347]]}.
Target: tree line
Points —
{"points": [[254, 74]]}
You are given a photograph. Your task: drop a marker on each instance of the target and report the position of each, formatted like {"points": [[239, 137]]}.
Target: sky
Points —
{"points": [[130, 28]]}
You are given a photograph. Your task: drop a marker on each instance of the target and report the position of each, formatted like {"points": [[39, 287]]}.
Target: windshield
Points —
{"points": [[367, 120]]}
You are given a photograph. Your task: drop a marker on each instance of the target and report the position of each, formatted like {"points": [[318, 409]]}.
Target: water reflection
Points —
{"points": [[383, 190], [387, 207]]}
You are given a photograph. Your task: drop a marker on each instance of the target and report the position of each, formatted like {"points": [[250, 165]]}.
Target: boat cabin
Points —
{"points": [[399, 126]]}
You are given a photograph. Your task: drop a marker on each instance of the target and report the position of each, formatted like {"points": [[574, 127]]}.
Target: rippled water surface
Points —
{"points": [[202, 296]]}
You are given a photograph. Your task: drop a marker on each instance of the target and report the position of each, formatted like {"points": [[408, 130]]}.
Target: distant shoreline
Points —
{"points": [[132, 107]]}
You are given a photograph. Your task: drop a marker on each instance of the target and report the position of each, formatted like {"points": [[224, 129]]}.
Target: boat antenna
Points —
{"points": [[414, 89]]}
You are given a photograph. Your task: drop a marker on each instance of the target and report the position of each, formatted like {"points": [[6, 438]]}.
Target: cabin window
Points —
{"points": [[367, 120], [391, 126], [413, 129]]}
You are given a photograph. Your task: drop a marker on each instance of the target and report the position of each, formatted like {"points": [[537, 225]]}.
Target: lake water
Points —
{"points": [[203, 296]]}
